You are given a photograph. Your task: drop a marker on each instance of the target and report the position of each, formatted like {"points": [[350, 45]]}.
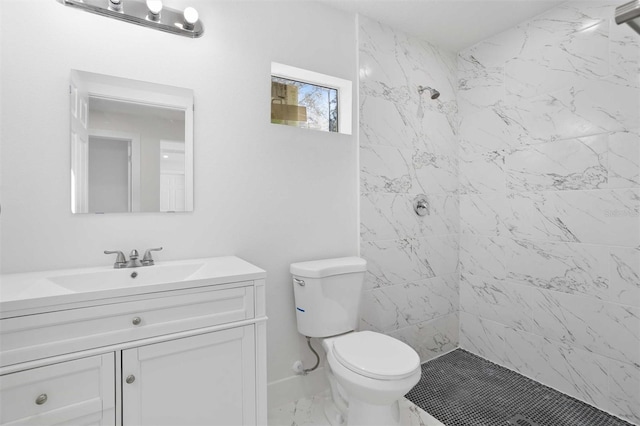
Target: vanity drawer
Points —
{"points": [[75, 392], [44, 335]]}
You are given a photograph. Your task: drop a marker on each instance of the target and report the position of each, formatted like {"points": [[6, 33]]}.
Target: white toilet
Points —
{"points": [[368, 372]]}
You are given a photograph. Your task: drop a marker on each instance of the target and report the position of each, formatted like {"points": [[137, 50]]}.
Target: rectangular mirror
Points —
{"points": [[131, 145]]}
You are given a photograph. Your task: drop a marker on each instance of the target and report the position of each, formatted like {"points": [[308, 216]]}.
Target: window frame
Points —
{"points": [[343, 87]]}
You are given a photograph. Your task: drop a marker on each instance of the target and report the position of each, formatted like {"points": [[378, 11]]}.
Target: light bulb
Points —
{"points": [[190, 18], [115, 5], [155, 7]]}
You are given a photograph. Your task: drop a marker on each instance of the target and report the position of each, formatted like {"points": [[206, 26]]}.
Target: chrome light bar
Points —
{"points": [[629, 13], [149, 14]]}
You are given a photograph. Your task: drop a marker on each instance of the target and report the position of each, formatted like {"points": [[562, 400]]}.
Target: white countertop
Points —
{"points": [[34, 292]]}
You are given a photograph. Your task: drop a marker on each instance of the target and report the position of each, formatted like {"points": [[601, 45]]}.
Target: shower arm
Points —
{"points": [[629, 13]]}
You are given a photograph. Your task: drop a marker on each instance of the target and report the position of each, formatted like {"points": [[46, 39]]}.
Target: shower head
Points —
{"points": [[433, 93]]}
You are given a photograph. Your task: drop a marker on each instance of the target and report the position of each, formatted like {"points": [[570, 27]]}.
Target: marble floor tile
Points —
{"points": [[310, 412]]}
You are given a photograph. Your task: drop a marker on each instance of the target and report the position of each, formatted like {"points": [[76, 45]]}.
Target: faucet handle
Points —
{"points": [[121, 261], [134, 254], [147, 260]]}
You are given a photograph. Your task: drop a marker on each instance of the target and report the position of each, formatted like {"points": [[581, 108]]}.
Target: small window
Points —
{"points": [[310, 100], [300, 104]]}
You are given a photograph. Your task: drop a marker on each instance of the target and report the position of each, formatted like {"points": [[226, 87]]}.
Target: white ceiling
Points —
{"points": [[451, 24]]}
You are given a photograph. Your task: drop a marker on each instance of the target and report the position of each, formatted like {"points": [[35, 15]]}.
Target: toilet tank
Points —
{"points": [[327, 295]]}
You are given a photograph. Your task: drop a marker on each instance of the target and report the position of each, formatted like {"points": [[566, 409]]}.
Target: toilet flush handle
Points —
{"points": [[299, 282]]}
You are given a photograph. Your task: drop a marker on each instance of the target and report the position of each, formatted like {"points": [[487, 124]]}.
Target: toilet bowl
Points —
{"points": [[373, 371]]}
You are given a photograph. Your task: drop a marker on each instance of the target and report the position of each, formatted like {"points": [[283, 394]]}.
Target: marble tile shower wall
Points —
{"points": [[408, 146], [549, 152]]}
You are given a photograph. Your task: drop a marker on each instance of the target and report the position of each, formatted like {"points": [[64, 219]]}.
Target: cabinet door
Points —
{"points": [[207, 379], [78, 392]]}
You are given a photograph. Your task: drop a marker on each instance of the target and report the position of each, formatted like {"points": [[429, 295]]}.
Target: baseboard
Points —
{"points": [[292, 388]]}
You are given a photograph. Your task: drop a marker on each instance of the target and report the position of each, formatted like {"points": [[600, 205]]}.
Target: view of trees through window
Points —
{"points": [[295, 103]]}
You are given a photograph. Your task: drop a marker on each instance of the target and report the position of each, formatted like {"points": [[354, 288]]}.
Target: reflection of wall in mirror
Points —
{"points": [[151, 130]]}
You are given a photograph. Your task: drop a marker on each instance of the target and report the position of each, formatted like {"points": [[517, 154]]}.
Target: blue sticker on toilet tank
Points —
{"points": [[301, 310]]}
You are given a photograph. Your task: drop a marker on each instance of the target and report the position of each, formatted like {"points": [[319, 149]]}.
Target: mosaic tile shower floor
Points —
{"points": [[462, 389]]}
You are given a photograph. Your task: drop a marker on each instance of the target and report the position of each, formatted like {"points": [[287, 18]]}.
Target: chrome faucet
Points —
{"points": [[133, 259], [133, 262]]}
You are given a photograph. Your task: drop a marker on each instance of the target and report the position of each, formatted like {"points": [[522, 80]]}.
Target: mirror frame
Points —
{"points": [[89, 84]]}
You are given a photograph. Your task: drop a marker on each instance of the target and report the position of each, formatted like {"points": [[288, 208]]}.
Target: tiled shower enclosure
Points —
{"points": [[530, 161]]}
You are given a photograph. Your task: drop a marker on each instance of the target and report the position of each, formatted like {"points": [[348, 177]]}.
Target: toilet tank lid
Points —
{"points": [[327, 267]]}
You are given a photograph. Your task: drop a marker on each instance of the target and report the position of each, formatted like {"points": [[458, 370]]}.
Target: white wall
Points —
{"points": [[270, 194], [1, 133]]}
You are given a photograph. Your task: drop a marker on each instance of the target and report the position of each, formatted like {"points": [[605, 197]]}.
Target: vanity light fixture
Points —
{"points": [[148, 13]]}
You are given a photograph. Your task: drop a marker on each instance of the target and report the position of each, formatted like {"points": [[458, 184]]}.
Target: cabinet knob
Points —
{"points": [[130, 379], [41, 399], [136, 321]]}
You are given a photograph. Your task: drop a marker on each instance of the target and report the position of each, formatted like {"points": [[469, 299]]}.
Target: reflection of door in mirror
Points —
{"points": [[172, 176], [79, 149]]}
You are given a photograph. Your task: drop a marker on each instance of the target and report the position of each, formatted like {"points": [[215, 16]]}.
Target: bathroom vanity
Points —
{"points": [[178, 343]]}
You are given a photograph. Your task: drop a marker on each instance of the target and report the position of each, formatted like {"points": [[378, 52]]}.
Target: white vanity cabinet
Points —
{"points": [[188, 353]]}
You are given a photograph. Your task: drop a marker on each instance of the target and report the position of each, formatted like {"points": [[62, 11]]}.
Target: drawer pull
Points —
{"points": [[136, 321], [41, 399], [130, 379]]}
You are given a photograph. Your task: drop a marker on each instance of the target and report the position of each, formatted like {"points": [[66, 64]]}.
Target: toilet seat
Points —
{"points": [[375, 355]]}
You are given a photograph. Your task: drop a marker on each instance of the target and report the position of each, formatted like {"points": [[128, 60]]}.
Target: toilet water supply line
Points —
{"points": [[306, 371]]}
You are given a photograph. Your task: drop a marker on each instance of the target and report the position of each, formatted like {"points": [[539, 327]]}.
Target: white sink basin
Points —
{"points": [[128, 277], [31, 292]]}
